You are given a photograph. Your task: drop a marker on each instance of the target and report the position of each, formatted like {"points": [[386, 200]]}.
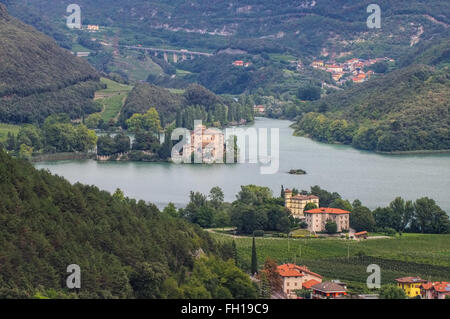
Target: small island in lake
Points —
{"points": [[297, 172]]}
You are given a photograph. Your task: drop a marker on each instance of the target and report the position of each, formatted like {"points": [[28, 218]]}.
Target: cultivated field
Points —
{"points": [[422, 255]]}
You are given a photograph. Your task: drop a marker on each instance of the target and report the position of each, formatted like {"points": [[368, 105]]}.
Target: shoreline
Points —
{"points": [[412, 152], [67, 156]]}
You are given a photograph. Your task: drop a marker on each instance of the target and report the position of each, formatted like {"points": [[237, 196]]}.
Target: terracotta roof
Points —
{"points": [[289, 270], [442, 286], [361, 233], [308, 284], [410, 280], [326, 210], [306, 270], [288, 190], [427, 285], [292, 270], [328, 286]]}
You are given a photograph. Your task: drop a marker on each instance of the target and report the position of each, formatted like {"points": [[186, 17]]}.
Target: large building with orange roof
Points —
{"points": [[296, 277], [296, 204], [317, 219]]}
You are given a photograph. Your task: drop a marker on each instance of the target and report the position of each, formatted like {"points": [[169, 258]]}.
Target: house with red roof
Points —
{"points": [[435, 290], [317, 219], [328, 290], [297, 278], [238, 63], [361, 235]]}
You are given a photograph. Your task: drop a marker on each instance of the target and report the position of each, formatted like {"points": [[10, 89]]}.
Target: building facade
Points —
{"points": [[296, 204], [435, 290], [294, 277], [328, 290], [317, 219], [410, 285], [207, 143]]}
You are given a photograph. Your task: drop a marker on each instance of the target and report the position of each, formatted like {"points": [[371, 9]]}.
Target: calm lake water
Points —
{"points": [[374, 179]]}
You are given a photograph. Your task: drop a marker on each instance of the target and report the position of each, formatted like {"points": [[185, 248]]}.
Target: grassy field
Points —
{"points": [[112, 98], [282, 57], [176, 91], [137, 67], [427, 256], [114, 87], [6, 128], [112, 106]]}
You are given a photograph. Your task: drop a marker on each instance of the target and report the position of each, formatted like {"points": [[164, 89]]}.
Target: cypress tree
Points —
{"points": [[254, 267], [282, 191]]}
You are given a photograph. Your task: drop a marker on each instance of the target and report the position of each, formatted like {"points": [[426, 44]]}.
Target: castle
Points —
{"points": [[296, 204]]}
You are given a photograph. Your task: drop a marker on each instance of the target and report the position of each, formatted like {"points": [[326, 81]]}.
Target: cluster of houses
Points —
{"points": [[300, 278], [318, 217], [416, 286], [296, 278], [352, 69], [241, 63]]}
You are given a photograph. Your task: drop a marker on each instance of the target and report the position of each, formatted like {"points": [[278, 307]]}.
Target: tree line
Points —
{"points": [[256, 210], [56, 135]]}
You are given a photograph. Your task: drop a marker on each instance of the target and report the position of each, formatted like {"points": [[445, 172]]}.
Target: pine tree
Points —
{"points": [[254, 266]]}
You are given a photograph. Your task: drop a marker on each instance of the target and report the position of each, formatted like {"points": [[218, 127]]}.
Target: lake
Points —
{"points": [[372, 178]]}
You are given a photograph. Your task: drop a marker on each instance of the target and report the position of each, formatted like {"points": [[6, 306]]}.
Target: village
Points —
{"points": [[352, 69], [300, 282]]}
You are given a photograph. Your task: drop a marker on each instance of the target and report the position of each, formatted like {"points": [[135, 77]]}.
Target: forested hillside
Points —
{"points": [[303, 26], [405, 110], [125, 248], [196, 103], [38, 78]]}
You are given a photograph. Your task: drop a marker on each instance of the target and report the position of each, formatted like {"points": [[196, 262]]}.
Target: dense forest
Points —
{"points": [[125, 248], [405, 110], [196, 103], [38, 78]]}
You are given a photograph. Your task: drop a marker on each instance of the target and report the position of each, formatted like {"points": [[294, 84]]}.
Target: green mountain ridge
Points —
{"points": [[405, 110], [303, 27], [38, 78]]}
